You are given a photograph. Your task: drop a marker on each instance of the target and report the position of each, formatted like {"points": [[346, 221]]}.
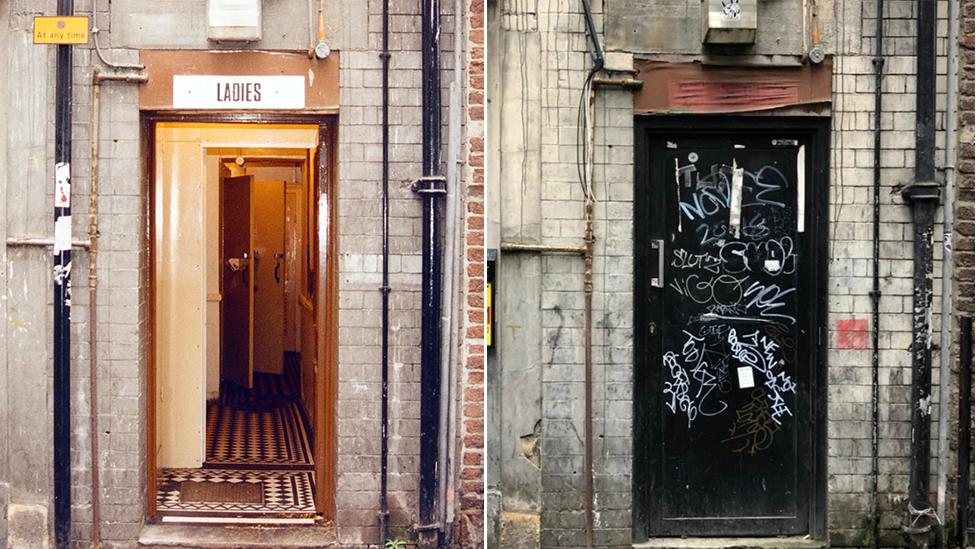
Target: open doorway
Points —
{"points": [[239, 324]]}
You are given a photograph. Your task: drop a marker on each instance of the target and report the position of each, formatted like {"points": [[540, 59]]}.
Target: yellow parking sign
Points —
{"points": [[60, 30]]}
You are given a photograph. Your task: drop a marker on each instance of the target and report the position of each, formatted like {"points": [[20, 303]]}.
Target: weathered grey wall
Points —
{"points": [[539, 308], [26, 133], [4, 401], [675, 26], [173, 24], [847, 31]]}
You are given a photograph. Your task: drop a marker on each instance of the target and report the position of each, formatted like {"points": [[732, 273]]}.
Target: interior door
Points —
{"points": [[237, 280], [269, 275], [725, 335]]}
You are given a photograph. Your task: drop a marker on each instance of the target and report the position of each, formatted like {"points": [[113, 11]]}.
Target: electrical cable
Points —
{"points": [[98, 48]]}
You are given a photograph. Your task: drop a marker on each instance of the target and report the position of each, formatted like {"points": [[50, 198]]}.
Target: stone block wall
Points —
{"points": [[26, 138], [539, 188]]}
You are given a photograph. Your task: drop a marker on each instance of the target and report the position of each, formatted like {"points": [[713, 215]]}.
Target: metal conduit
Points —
{"points": [[878, 62], [385, 288], [948, 219]]}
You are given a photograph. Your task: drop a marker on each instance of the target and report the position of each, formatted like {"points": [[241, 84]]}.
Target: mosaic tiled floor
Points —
{"points": [[258, 436], [285, 492], [260, 428]]}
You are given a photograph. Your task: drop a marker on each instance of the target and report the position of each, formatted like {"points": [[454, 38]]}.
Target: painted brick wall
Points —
{"points": [[849, 270], [847, 27], [26, 99]]}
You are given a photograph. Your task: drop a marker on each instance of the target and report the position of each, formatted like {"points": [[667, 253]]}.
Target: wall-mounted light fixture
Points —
{"points": [[234, 20]]}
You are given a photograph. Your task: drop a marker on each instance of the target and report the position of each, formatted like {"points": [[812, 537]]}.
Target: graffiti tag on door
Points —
{"points": [[732, 265]]}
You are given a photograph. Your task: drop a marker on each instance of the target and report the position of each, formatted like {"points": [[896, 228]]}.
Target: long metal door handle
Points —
{"points": [[657, 247]]}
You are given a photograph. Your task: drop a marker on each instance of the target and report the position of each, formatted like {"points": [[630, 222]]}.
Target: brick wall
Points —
{"points": [[471, 494], [963, 245], [963, 229]]}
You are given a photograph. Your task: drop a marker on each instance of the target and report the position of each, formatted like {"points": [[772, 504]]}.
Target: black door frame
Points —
{"points": [[817, 130]]}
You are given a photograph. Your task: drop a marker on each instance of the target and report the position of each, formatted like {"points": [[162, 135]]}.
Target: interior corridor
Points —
{"points": [[258, 464]]}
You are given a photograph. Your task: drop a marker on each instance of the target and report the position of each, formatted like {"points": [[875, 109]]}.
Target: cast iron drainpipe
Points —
{"points": [[878, 62], [385, 288], [923, 195], [62, 291], [432, 188], [93, 234]]}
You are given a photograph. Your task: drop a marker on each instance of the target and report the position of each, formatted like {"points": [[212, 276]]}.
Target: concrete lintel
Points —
{"points": [[731, 543]]}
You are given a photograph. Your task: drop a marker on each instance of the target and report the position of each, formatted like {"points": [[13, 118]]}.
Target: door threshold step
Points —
{"points": [[258, 520], [792, 542], [180, 536]]}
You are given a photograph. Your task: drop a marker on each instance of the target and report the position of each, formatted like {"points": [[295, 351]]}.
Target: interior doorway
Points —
{"points": [[242, 367]]}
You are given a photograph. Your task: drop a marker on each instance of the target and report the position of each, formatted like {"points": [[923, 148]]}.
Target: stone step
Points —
{"points": [[181, 536]]}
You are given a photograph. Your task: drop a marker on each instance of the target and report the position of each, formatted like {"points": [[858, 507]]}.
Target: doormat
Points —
{"points": [[284, 493], [221, 492]]}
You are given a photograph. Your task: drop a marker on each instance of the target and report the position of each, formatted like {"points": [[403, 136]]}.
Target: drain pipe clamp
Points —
{"points": [[430, 184], [921, 190]]}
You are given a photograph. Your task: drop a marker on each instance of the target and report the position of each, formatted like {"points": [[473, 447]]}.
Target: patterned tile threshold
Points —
{"points": [[285, 495]]}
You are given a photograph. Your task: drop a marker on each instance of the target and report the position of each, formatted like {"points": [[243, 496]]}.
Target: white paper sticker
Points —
{"points": [[772, 266], [735, 209], [62, 185], [62, 234], [746, 380], [801, 186]]}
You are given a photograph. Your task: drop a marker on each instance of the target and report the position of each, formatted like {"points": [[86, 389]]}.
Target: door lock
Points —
{"points": [[652, 328]]}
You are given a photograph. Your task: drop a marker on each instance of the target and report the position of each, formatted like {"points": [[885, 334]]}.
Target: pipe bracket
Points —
{"points": [[435, 185], [921, 190]]}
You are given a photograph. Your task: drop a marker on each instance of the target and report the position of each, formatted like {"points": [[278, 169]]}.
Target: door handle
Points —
{"points": [[277, 271], [657, 277]]}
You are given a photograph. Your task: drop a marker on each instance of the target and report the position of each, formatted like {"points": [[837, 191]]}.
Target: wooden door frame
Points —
{"points": [[817, 129], [326, 294]]}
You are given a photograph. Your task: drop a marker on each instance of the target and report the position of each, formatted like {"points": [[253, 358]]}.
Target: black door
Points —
{"points": [[727, 307]]}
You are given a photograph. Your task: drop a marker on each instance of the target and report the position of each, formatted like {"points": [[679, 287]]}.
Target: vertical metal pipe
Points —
{"points": [[62, 291], [432, 188], [925, 93], [948, 219], [453, 231], [964, 515], [923, 194], [385, 288], [588, 239], [93, 234], [878, 62]]}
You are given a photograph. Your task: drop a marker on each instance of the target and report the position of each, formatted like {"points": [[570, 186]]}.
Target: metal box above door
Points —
{"points": [[729, 21], [235, 20]]}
